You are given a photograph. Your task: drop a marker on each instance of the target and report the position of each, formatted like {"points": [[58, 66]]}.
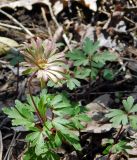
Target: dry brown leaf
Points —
{"points": [[22, 3], [6, 44], [57, 5]]}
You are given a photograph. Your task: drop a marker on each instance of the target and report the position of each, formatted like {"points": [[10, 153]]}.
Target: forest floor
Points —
{"points": [[113, 24]]}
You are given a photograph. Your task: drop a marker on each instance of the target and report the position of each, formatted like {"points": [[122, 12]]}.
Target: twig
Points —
{"points": [[17, 22], [129, 20], [10, 146], [10, 26], [58, 25], [109, 15], [131, 60], [46, 21]]}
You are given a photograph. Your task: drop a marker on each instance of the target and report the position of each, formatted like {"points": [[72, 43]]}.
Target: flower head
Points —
{"points": [[43, 58]]}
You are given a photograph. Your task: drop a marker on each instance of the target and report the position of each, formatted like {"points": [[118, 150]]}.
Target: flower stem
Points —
{"points": [[32, 99]]}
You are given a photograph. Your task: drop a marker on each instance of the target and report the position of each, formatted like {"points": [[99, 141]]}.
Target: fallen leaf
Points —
{"points": [[22, 3], [6, 44], [91, 4], [97, 110]]}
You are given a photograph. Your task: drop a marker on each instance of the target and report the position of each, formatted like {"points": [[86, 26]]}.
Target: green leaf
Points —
{"points": [[103, 57], [133, 121], [114, 112], [117, 117], [83, 117], [14, 57], [128, 104], [107, 150], [58, 139], [120, 146], [89, 47], [62, 105], [108, 74], [56, 99], [28, 71], [72, 83], [134, 109], [76, 123], [82, 73], [61, 121], [64, 111], [78, 57], [32, 136], [73, 141], [19, 117], [42, 106], [50, 155], [39, 149], [94, 73]]}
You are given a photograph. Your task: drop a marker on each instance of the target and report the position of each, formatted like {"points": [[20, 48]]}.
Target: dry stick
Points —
{"points": [[10, 26], [46, 21], [126, 18], [17, 22], [58, 25], [11, 144], [14, 142]]}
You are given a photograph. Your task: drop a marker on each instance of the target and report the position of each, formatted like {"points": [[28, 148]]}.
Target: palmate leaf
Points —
{"points": [[82, 73], [78, 57], [118, 120], [128, 104], [120, 146], [89, 47], [133, 109], [117, 117], [72, 83], [133, 121], [20, 115], [103, 57]]}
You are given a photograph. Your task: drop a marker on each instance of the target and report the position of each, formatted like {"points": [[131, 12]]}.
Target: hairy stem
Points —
{"points": [[32, 99]]}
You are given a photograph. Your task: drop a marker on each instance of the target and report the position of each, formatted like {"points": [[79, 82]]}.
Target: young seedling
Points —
{"points": [[88, 61], [122, 117]]}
